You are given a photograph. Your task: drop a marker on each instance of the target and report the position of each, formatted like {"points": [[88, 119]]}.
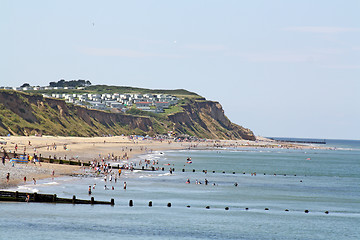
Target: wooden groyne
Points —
{"points": [[69, 161], [46, 198]]}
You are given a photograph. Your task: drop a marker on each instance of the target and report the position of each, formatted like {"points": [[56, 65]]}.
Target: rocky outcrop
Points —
{"points": [[24, 114], [207, 118]]}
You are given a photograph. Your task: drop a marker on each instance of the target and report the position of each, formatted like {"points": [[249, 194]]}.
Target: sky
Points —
{"points": [[281, 68]]}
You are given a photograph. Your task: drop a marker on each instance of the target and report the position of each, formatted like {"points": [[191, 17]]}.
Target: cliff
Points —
{"points": [[28, 114], [207, 119]]}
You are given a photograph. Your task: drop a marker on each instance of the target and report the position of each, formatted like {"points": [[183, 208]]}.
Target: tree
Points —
{"points": [[71, 83], [25, 85]]}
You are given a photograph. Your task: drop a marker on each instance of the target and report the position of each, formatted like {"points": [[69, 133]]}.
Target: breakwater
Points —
{"points": [[10, 196], [46, 198]]}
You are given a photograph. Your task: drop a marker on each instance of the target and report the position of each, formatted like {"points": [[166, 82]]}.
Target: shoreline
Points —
{"points": [[119, 149]]}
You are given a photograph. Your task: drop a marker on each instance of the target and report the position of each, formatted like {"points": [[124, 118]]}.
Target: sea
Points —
{"points": [[280, 194]]}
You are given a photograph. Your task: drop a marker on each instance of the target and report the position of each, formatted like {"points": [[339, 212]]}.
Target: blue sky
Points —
{"points": [[280, 68]]}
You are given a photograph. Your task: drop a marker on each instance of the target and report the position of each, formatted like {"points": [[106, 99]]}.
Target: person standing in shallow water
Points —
{"points": [[125, 185], [89, 190]]}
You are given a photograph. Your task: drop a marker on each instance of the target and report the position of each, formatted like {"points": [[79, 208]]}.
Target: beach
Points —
{"points": [[281, 192], [120, 149]]}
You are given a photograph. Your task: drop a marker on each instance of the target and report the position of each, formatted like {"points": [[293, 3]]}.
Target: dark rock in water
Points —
{"points": [[306, 211], [207, 207], [226, 208], [326, 212], [286, 210], [266, 209]]}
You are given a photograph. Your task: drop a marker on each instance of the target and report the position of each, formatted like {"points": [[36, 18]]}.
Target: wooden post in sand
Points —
{"points": [[92, 200], [74, 199], [112, 202], [54, 198], [35, 197]]}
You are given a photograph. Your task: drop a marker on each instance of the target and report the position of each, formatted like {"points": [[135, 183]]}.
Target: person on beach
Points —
{"points": [[89, 190], [206, 181], [27, 199], [94, 186], [34, 181], [25, 179], [125, 185], [3, 160], [7, 177]]}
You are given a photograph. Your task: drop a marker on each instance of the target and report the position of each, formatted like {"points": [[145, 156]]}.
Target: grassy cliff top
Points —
{"points": [[100, 89]]}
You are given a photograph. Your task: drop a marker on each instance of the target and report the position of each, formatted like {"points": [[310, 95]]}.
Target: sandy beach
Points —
{"points": [[120, 148]]}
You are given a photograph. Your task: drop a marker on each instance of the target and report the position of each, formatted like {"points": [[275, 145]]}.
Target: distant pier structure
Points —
{"points": [[311, 141]]}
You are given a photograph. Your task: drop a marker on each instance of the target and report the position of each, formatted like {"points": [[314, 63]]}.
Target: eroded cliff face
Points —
{"points": [[24, 114], [207, 118]]}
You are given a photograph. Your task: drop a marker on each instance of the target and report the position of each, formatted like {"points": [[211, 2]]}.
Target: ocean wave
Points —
{"points": [[27, 188], [164, 174], [51, 183]]}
